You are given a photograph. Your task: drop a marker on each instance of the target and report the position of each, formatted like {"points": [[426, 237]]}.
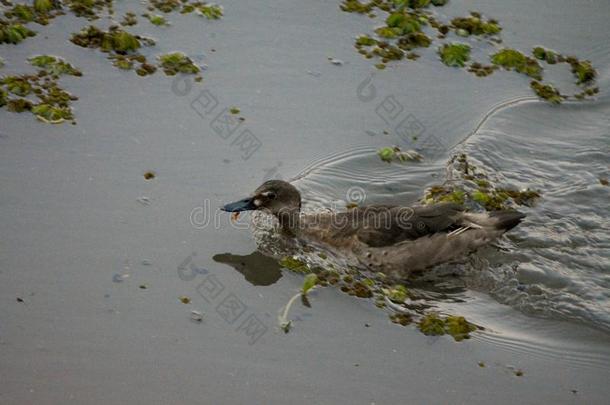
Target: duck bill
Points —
{"points": [[247, 204]]}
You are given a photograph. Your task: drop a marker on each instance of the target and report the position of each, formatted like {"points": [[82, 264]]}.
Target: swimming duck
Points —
{"points": [[394, 240]]}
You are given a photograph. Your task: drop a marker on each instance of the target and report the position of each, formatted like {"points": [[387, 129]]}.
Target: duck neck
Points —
{"points": [[289, 221]]}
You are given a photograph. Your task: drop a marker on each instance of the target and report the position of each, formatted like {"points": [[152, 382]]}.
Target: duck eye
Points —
{"points": [[270, 195]]}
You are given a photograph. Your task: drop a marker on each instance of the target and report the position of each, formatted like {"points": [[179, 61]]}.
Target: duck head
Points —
{"points": [[277, 197]]}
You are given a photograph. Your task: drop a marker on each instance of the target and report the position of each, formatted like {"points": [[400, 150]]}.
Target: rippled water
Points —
{"points": [[555, 266]]}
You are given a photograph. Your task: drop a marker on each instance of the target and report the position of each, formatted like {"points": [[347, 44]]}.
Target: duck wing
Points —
{"points": [[386, 226]]}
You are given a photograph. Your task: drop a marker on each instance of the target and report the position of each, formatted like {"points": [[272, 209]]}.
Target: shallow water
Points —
{"points": [[75, 213]]}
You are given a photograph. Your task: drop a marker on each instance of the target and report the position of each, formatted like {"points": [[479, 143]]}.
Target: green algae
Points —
{"points": [[414, 40], [390, 154], [432, 325], [129, 19], [547, 92], [455, 54], [456, 326], [13, 33], [114, 40], [475, 25], [481, 70], [354, 6], [52, 114], [397, 293], [157, 19], [550, 57], [44, 6], [89, 9], [234, 110], [365, 40], [582, 70], [54, 66], [294, 264], [19, 105], [401, 319], [177, 62], [511, 59], [309, 282]]}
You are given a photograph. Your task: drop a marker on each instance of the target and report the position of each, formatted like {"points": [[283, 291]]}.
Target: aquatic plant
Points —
{"points": [[157, 19], [546, 55], [354, 6], [397, 293], [546, 92], [455, 54], [54, 66], [582, 70], [13, 33], [177, 62], [511, 59], [129, 19], [481, 70], [459, 327], [475, 25], [390, 154], [89, 9], [309, 283], [431, 324]]}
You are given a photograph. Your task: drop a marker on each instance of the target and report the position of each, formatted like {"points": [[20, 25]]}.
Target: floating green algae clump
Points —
{"points": [[583, 70], [54, 66], [475, 25], [455, 55], [114, 40], [177, 62], [54, 104], [89, 9], [546, 92], [294, 264], [156, 19], [456, 326], [13, 33], [121, 45], [546, 55], [354, 6], [129, 19], [484, 193], [391, 154], [459, 327], [511, 59], [431, 324]]}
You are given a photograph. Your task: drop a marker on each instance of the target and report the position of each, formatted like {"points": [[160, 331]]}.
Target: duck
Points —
{"points": [[397, 241]]}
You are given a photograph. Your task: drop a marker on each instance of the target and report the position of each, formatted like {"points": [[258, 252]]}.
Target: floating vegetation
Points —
{"points": [[582, 70], [481, 70], [547, 55], [13, 33], [456, 326], [149, 175], [54, 104], [511, 59], [177, 62], [455, 55], [546, 92], [210, 11], [394, 153], [475, 25], [129, 19], [234, 110], [403, 30], [121, 45], [54, 66], [481, 193], [89, 9], [184, 299], [156, 19]]}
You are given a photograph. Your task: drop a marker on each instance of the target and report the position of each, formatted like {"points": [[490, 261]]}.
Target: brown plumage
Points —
{"points": [[395, 240]]}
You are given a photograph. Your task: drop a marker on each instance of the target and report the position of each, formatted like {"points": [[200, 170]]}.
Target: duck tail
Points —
{"points": [[499, 220], [506, 220]]}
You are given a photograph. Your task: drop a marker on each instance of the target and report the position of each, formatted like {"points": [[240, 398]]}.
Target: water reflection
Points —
{"points": [[257, 268]]}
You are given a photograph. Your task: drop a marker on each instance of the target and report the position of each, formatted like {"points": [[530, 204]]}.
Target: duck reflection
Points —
{"points": [[257, 268]]}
